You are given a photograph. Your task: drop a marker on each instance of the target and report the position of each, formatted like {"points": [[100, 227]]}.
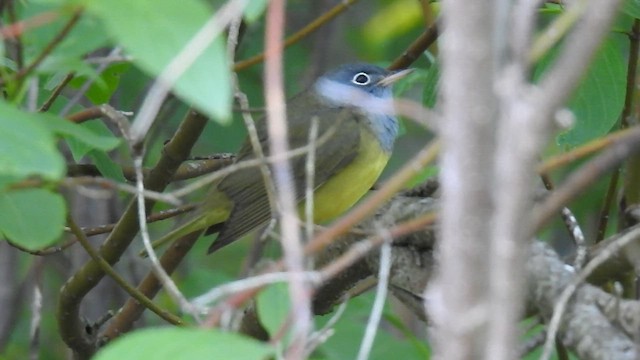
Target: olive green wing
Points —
{"points": [[337, 145]]}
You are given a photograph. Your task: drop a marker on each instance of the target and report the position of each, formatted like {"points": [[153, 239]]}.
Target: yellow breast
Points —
{"points": [[344, 189]]}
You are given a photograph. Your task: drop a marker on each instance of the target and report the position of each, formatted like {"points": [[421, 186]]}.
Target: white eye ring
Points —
{"points": [[357, 79]]}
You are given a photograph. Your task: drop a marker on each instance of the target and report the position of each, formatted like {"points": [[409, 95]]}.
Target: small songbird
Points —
{"points": [[353, 108]]}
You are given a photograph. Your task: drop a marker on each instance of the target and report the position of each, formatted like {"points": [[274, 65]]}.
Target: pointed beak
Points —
{"points": [[393, 77]]}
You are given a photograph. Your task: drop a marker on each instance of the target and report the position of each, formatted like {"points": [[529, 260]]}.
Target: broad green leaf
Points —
{"points": [[27, 147], [598, 101], [632, 8], [82, 133], [183, 343], [274, 306], [33, 218], [155, 31]]}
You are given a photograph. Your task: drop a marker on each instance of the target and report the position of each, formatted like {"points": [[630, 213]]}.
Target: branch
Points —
{"points": [[72, 328]]}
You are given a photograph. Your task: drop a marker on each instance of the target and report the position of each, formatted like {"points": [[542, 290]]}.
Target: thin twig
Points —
{"points": [[580, 179], [378, 305], [160, 272], [57, 39], [205, 300], [301, 34], [310, 174], [109, 270], [299, 290], [56, 92]]}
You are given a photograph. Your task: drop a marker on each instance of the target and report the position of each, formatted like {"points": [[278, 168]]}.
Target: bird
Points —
{"points": [[352, 106]]}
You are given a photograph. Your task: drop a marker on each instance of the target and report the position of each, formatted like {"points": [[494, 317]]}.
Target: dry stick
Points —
{"points": [[571, 223], [556, 30], [36, 311], [160, 272], [87, 84], [44, 252], [56, 92], [362, 248], [19, 49], [310, 174], [580, 179], [381, 295], [368, 206], [110, 184], [585, 150], [109, 270], [301, 34], [354, 254], [321, 336], [417, 47], [193, 169], [162, 215], [299, 290], [258, 281], [132, 310]]}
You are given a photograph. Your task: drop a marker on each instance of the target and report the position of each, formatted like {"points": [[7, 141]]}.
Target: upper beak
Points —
{"points": [[395, 76]]}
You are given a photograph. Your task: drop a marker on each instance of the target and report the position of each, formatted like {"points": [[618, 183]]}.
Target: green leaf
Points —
{"points": [[107, 167], [101, 91], [417, 77], [632, 8], [432, 79], [350, 328], [155, 31], [81, 133], [32, 218], [184, 343], [274, 306], [254, 10], [86, 36], [598, 100], [27, 147]]}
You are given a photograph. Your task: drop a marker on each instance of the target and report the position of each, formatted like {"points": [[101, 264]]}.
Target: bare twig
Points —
{"points": [[50, 46], [301, 34], [108, 269], [378, 305], [299, 290], [204, 301], [160, 272]]}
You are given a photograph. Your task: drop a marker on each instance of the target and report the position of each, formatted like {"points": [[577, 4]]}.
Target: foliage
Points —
{"points": [[61, 62]]}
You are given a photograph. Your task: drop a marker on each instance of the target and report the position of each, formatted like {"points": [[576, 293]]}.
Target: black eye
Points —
{"points": [[361, 79]]}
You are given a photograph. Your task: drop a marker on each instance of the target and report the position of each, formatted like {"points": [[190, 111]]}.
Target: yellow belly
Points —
{"points": [[344, 189]]}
